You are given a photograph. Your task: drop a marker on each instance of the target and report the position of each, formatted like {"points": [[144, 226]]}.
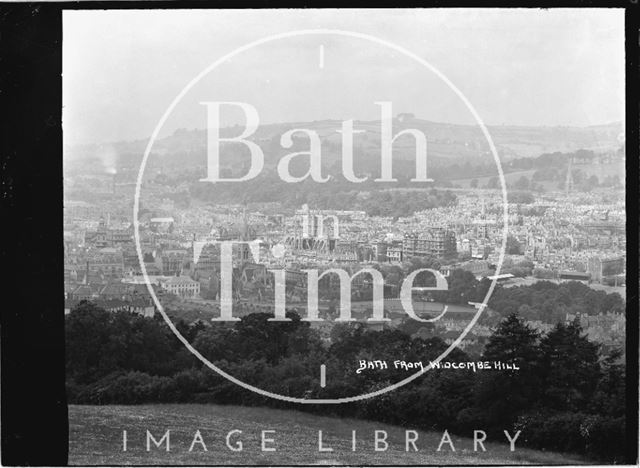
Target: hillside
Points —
{"points": [[447, 143], [601, 171], [95, 438]]}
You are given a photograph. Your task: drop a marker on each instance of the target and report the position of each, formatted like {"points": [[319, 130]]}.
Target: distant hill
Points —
{"points": [[458, 157], [448, 143]]}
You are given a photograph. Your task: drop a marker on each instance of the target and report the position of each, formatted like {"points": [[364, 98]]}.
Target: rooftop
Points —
{"points": [[501, 277]]}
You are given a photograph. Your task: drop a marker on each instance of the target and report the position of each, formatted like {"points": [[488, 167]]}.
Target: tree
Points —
{"points": [[482, 289], [527, 312], [462, 288], [612, 303], [519, 272], [513, 246], [522, 183], [503, 394], [423, 279], [571, 369], [87, 336], [254, 337], [609, 396], [520, 197], [493, 183], [474, 183], [528, 264], [543, 273], [99, 343]]}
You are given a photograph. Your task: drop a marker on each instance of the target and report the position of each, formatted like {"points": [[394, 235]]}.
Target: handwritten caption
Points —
{"points": [[415, 365]]}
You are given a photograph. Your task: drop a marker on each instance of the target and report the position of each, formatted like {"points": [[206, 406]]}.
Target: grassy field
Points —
{"points": [[95, 438], [599, 170]]}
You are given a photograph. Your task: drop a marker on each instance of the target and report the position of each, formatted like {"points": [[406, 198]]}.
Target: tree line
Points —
{"points": [[568, 394]]}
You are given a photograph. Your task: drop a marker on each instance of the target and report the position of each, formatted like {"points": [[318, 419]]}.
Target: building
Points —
{"points": [[161, 224], [182, 286], [170, 262], [481, 251], [434, 242], [574, 276], [97, 238], [394, 253], [119, 236], [380, 251], [138, 306], [600, 268], [95, 266], [319, 234], [501, 278], [206, 258], [103, 236]]}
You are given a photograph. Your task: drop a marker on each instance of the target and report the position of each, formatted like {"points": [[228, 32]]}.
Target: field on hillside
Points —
{"points": [[96, 438], [599, 170]]}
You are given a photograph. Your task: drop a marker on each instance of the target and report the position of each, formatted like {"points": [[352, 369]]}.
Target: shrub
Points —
{"points": [[121, 388], [606, 438], [598, 437], [558, 432]]}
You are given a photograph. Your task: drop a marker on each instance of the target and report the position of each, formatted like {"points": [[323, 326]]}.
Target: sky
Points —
{"points": [[122, 68]]}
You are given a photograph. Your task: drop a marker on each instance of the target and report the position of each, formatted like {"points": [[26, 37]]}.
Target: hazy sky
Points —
{"points": [[517, 67]]}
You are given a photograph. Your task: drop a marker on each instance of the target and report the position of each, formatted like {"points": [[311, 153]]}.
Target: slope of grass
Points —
{"points": [[599, 170], [95, 438]]}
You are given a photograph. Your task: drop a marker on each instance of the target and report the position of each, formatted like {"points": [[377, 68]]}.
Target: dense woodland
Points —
{"points": [[569, 394], [391, 199], [336, 194]]}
